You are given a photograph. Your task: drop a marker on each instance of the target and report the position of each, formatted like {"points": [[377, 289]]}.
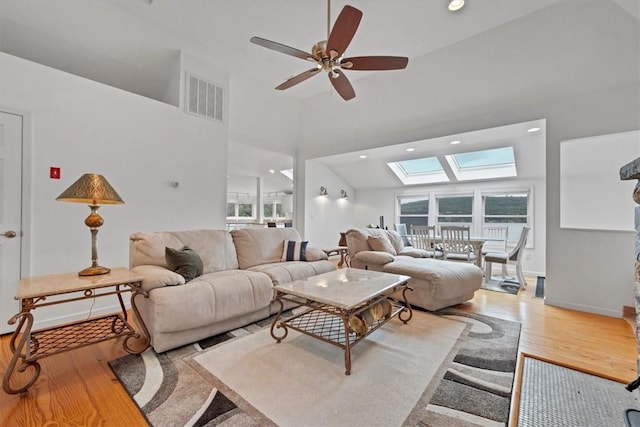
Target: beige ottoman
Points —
{"points": [[437, 284]]}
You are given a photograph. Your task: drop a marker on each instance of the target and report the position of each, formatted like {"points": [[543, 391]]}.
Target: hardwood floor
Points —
{"points": [[78, 388]]}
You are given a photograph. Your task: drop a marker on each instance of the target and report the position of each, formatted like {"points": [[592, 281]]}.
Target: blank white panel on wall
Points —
{"points": [[592, 196]]}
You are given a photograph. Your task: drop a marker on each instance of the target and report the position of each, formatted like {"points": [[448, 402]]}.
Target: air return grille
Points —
{"points": [[204, 99]]}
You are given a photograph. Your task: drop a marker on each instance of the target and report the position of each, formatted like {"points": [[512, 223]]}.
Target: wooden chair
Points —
{"points": [[514, 257], [497, 237], [456, 243], [424, 237]]}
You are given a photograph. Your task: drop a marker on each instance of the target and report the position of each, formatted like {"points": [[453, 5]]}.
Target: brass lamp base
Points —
{"points": [[94, 271]]}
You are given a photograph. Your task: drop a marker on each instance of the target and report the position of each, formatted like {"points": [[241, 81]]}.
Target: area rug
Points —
{"points": [[447, 369], [505, 286], [553, 395]]}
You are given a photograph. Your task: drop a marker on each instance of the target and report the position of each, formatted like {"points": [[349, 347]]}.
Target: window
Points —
{"points": [[419, 171], [273, 210], [485, 164], [455, 210], [268, 210], [510, 209], [414, 211], [231, 210], [245, 210]]}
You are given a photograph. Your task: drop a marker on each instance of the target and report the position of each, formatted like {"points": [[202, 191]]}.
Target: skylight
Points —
{"points": [[420, 166], [288, 173], [419, 171], [484, 158], [468, 166], [485, 164]]}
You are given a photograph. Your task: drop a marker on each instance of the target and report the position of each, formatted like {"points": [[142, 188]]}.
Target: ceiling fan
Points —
{"points": [[329, 54]]}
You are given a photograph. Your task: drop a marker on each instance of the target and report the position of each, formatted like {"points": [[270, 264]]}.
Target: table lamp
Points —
{"points": [[94, 190]]}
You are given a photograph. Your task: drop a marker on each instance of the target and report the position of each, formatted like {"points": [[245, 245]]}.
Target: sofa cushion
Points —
{"points": [[186, 262], [286, 272], [256, 246], [294, 250], [215, 247], [315, 254], [210, 298], [381, 244], [157, 277], [442, 279]]}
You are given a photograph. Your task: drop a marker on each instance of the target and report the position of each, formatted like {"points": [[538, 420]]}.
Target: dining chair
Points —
{"points": [[514, 258], [456, 243], [496, 237], [424, 237]]}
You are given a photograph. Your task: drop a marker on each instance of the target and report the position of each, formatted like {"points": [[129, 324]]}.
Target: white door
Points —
{"points": [[10, 215]]}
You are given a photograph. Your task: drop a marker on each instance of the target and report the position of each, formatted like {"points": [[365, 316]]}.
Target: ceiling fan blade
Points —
{"points": [[343, 30], [279, 47], [342, 85], [298, 79], [374, 63]]}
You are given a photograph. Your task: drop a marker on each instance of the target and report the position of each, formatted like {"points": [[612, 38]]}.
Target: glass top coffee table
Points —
{"points": [[337, 301]]}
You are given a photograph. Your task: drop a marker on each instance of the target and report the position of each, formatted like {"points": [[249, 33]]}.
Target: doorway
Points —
{"points": [[12, 254]]}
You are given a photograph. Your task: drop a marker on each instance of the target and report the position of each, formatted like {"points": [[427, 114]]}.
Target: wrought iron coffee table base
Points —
{"points": [[331, 324]]}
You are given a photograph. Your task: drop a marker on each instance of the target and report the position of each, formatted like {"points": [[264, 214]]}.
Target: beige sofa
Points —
{"points": [[436, 284], [240, 269]]}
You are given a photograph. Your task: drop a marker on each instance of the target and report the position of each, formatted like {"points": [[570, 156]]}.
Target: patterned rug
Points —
{"points": [[505, 286], [471, 387]]}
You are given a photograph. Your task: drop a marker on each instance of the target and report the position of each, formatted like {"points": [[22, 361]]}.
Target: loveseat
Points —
{"points": [[436, 283], [239, 270]]}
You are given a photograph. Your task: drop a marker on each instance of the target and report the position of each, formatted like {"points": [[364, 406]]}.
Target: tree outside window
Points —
{"points": [[231, 210], [245, 210], [414, 211], [510, 209], [455, 210]]}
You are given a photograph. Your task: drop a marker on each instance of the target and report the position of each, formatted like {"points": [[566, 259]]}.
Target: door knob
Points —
{"points": [[10, 234]]}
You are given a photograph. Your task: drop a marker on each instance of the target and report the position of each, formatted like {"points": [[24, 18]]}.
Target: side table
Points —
{"points": [[343, 251], [29, 346]]}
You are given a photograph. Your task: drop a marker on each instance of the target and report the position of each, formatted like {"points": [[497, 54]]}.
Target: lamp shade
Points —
{"points": [[92, 189]]}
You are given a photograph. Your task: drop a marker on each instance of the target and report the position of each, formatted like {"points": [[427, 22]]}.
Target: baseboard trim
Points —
{"points": [[584, 308]]}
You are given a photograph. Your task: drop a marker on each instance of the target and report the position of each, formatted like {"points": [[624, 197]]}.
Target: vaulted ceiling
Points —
{"points": [[132, 44]]}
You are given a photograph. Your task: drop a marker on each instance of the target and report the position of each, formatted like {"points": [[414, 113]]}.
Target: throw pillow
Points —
{"points": [[294, 251], [381, 244], [186, 262]]}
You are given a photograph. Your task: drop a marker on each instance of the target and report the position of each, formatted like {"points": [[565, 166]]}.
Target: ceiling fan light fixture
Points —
{"points": [[455, 5]]}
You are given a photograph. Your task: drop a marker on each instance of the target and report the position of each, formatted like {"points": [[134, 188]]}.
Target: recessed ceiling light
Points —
{"points": [[272, 171], [455, 5], [363, 156], [410, 149], [455, 142], [533, 130]]}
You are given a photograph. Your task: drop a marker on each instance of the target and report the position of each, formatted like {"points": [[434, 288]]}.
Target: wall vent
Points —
{"points": [[204, 99]]}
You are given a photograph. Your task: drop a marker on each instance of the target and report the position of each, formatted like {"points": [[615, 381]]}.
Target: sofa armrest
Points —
{"points": [[374, 257], [315, 254], [154, 276]]}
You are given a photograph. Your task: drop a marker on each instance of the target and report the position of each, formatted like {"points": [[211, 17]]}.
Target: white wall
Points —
{"points": [[138, 144], [326, 216]]}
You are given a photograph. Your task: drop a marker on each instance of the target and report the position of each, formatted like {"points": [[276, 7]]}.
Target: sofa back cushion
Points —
{"points": [[261, 245], [357, 239], [215, 248]]}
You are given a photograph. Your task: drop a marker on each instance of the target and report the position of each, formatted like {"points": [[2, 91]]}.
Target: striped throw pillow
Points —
{"points": [[294, 251]]}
